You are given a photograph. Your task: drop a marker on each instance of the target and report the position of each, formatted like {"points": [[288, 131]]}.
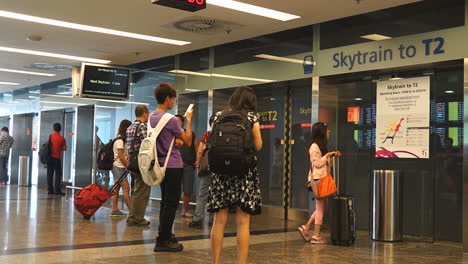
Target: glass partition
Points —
{"points": [[285, 112], [432, 188]]}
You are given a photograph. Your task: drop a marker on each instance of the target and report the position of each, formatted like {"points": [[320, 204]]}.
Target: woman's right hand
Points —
{"points": [[333, 153]]}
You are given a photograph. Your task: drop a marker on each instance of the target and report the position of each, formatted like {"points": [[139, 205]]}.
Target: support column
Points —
{"points": [[465, 159]]}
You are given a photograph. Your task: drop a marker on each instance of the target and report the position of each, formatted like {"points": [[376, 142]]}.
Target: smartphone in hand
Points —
{"points": [[190, 107]]}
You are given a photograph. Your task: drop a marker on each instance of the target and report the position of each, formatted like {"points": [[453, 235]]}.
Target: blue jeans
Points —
{"points": [[3, 169]]}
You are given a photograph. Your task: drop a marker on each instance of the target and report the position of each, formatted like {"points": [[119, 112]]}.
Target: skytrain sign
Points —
{"points": [[422, 48]]}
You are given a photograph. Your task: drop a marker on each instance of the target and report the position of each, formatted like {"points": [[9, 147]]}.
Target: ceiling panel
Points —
{"points": [[140, 16]]}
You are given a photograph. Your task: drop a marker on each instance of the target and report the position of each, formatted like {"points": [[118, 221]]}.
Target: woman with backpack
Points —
{"points": [[320, 168], [231, 189], [119, 169]]}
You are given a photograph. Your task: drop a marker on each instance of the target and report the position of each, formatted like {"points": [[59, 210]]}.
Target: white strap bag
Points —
{"points": [[151, 172]]}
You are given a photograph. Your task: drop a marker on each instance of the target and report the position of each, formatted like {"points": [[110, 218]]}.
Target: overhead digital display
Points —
{"points": [[103, 81], [187, 5]]}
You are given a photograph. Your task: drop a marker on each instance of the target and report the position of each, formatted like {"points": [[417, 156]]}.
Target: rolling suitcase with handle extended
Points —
{"points": [[342, 214], [89, 199]]}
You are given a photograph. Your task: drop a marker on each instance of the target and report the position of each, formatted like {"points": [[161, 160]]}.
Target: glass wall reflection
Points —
{"points": [[432, 192]]}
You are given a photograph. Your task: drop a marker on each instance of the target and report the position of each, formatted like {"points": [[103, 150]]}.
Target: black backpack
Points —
{"points": [[44, 152], [105, 158], [230, 145]]}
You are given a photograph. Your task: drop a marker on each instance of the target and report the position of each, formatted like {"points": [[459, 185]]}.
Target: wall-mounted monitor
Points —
{"points": [[104, 81]]}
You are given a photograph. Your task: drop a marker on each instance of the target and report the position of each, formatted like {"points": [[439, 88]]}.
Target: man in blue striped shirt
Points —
{"points": [[6, 141]]}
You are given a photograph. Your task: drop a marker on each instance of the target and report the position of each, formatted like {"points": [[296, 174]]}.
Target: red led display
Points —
{"points": [[198, 2], [187, 5]]}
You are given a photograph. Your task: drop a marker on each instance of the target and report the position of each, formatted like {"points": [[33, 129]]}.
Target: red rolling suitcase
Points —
{"points": [[89, 199]]}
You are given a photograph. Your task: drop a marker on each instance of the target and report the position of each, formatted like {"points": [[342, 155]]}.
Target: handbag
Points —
{"points": [[323, 188], [133, 157], [203, 166]]}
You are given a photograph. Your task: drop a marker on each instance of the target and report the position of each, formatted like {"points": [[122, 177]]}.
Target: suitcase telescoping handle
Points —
{"points": [[336, 172], [118, 182]]}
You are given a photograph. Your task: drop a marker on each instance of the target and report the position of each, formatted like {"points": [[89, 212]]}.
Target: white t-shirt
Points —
{"points": [[118, 144]]}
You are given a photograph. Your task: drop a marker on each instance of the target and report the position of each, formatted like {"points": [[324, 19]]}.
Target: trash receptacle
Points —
{"points": [[23, 174], [386, 206]]}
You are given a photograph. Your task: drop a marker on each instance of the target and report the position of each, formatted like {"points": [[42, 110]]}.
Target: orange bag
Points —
{"points": [[324, 187]]}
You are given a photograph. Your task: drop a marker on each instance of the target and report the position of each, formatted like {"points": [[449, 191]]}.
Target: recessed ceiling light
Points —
{"points": [[271, 57], [358, 99], [53, 55], [220, 76], [450, 92], [252, 9], [395, 78], [241, 78], [9, 83], [58, 23], [191, 73], [375, 37], [27, 72], [65, 93], [110, 107], [93, 99], [54, 102]]}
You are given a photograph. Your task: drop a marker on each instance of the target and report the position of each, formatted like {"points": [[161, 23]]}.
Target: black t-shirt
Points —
{"points": [[189, 154]]}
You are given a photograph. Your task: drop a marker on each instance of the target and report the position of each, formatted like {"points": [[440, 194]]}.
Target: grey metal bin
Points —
{"points": [[386, 206], [23, 174]]}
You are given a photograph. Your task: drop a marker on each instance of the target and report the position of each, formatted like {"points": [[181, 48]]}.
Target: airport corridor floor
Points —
{"points": [[40, 228]]}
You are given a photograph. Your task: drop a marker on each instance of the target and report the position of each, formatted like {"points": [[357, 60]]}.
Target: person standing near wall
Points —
{"points": [[136, 132], [57, 146], [6, 142], [189, 157]]}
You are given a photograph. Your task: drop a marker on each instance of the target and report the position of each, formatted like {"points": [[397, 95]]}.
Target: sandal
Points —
{"points": [[304, 233], [188, 215], [318, 240]]}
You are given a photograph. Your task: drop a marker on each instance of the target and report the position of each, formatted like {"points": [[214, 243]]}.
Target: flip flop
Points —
{"points": [[187, 216], [304, 233]]}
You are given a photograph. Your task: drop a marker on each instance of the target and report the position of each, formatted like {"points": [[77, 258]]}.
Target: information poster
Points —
{"points": [[403, 118]]}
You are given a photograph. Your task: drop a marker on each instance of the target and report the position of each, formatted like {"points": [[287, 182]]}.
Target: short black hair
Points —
{"points": [[5, 129], [163, 91], [141, 110], [181, 118], [57, 127]]}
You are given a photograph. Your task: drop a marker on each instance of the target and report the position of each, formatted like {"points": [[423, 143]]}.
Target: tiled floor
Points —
{"points": [[40, 228]]}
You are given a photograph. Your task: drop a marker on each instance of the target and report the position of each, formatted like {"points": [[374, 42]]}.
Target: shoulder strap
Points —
{"points": [[157, 130], [135, 135]]}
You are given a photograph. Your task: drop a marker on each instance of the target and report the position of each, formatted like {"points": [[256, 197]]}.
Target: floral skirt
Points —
{"points": [[229, 191]]}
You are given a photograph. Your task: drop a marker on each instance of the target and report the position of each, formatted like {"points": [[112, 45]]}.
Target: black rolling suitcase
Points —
{"points": [[342, 214]]}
